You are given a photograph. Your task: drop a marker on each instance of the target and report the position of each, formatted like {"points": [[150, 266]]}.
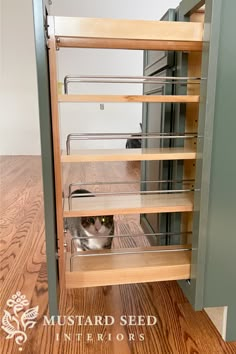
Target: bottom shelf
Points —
{"points": [[113, 267]]}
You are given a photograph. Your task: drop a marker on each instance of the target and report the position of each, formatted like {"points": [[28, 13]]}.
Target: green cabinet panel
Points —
{"points": [[47, 153]]}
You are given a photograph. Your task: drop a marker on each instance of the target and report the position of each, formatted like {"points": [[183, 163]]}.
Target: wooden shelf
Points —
{"points": [[129, 268], [86, 27], [91, 155], [129, 98], [131, 34], [129, 204]]}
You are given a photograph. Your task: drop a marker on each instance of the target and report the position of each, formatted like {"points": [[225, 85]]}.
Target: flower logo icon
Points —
{"points": [[15, 322]]}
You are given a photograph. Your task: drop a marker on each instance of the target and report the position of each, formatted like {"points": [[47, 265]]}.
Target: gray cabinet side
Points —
{"points": [[47, 153], [195, 289], [220, 272]]}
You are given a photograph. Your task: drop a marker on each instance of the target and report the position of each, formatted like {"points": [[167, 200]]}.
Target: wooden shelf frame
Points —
{"points": [[56, 148], [168, 263], [106, 33], [103, 155], [130, 34], [130, 204]]}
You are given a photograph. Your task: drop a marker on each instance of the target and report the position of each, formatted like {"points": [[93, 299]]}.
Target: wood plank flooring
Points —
{"points": [[178, 330]]}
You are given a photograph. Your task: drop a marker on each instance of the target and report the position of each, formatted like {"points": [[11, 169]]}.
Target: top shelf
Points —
{"points": [[127, 34]]}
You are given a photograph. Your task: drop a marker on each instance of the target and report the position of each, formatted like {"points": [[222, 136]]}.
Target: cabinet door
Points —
{"points": [[157, 118], [155, 61]]}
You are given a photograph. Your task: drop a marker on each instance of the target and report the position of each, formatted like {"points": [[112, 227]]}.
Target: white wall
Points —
{"points": [[19, 127], [128, 9], [19, 123]]}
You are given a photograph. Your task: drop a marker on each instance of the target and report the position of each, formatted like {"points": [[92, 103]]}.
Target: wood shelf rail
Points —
{"points": [[130, 204], [92, 155], [130, 98], [127, 34], [168, 263]]}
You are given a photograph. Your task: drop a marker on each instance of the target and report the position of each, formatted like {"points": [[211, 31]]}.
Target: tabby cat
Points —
{"points": [[83, 227]]}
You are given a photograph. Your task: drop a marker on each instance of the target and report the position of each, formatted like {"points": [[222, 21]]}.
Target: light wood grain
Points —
{"points": [[128, 98], [127, 29], [56, 148], [191, 121], [135, 44], [23, 267], [130, 268], [91, 155], [90, 172], [130, 204]]}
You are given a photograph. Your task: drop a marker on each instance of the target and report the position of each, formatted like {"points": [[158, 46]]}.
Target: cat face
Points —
{"points": [[97, 225]]}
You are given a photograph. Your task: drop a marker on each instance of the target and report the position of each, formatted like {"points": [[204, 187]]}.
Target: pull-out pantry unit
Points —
{"points": [[188, 197]]}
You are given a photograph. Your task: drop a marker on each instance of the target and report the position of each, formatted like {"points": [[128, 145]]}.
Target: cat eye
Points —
{"points": [[105, 219], [90, 220]]}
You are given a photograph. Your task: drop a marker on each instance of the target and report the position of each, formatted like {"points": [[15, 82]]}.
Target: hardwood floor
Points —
{"points": [[179, 329]]}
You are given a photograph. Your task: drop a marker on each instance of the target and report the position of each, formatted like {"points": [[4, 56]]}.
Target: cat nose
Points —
{"points": [[97, 225]]}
